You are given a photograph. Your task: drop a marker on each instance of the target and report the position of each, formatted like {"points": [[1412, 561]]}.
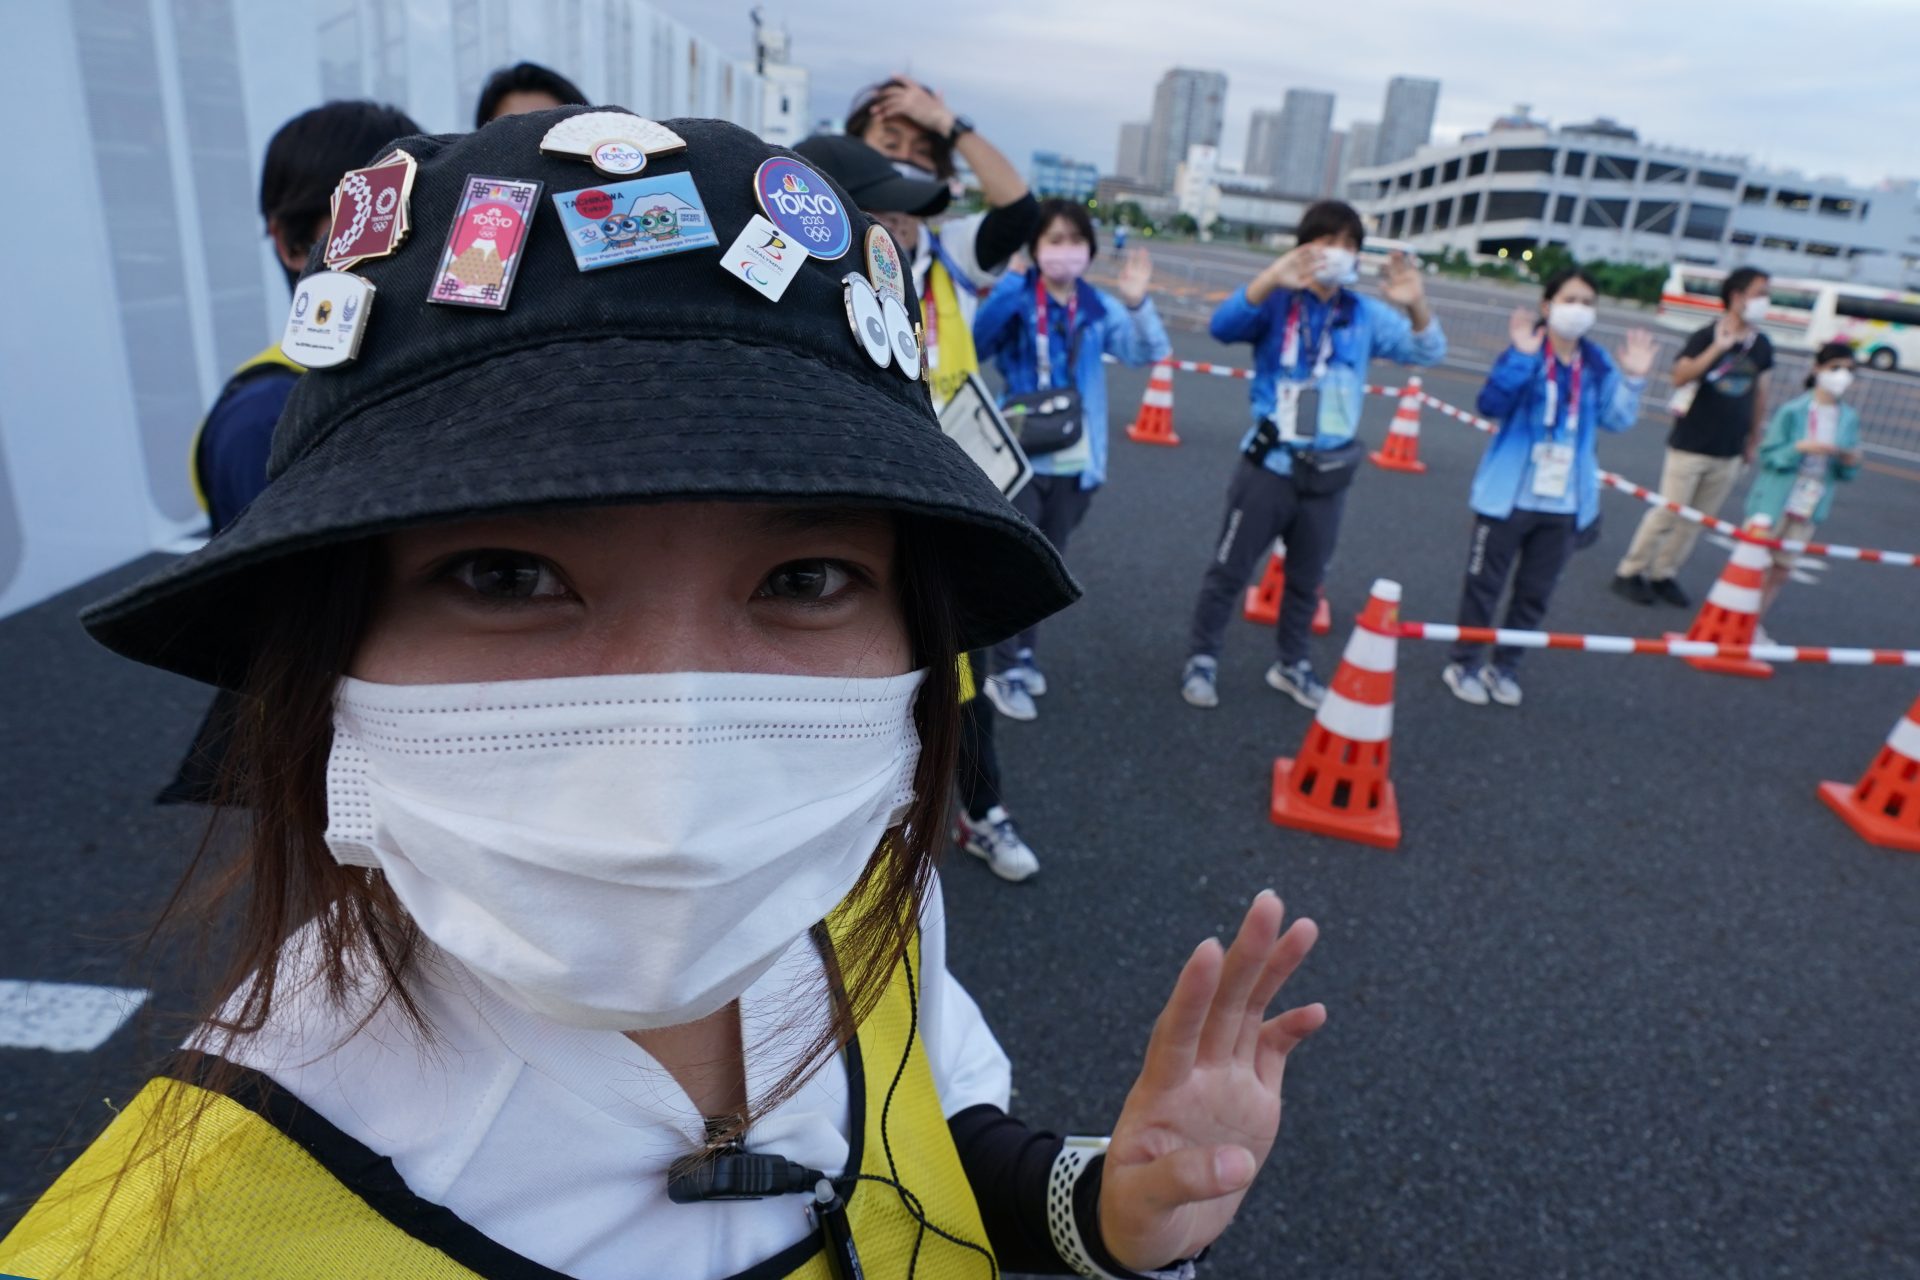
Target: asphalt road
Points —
{"points": [[1628, 1001]]}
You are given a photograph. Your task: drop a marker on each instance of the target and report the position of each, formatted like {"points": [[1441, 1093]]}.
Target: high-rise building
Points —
{"points": [[1336, 172], [1188, 107], [1363, 140], [1132, 160], [1406, 122], [1263, 144], [1300, 162]]}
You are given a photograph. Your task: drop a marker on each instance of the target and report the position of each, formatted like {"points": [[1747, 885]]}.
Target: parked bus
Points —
{"points": [[1881, 325]]}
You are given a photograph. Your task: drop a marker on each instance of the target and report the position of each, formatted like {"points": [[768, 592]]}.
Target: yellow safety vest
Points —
{"points": [[273, 355], [277, 1193]]}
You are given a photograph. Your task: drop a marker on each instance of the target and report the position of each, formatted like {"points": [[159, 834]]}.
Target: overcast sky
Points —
{"points": [[1825, 86]]}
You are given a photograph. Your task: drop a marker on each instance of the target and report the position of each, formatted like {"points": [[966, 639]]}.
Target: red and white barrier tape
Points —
{"points": [[1614, 480], [1233, 371], [1672, 648]]}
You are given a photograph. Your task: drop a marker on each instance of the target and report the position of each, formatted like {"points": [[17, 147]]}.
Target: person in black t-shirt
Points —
{"points": [[1720, 406]]}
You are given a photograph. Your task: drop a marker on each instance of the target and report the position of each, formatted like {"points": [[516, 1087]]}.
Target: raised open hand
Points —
{"points": [[1202, 1117], [1405, 286], [1636, 355], [914, 101], [1524, 331], [1136, 273], [1293, 269]]}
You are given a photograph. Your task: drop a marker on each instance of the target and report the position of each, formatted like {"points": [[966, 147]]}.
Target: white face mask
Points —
{"points": [[1755, 309], [1571, 320], [620, 852], [1834, 381], [1338, 266]]}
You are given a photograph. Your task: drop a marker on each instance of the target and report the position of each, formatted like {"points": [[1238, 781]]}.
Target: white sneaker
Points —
{"points": [[1197, 682], [1465, 684], [994, 840], [1031, 673], [1010, 696], [1760, 635], [1501, 686]]}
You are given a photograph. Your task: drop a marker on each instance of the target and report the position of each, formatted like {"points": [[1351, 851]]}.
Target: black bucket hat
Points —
{"points": [[656, 380]]}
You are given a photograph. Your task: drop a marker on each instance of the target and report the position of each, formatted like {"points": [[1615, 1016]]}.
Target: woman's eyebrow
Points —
{"points": [[790, 520]]}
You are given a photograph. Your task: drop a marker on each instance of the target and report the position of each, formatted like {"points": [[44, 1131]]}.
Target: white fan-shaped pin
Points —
{"points": [[579, 135]]}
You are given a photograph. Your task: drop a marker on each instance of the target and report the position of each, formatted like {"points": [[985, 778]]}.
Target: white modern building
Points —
{"points": [[142, 276], [1210, 194], [1406, 118], [784, 87], [1604, 194]]}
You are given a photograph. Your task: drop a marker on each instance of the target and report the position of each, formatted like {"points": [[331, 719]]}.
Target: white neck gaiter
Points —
{"points": [[620, 852]]}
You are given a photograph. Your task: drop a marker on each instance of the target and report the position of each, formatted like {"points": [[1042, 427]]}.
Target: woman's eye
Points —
{"points": [[506, 576], [807, 581]]}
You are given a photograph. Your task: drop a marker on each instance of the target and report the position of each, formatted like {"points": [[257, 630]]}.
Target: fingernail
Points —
{"points": [[1233, 1166]]}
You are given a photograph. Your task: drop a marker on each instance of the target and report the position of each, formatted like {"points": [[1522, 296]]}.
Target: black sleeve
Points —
{"points": [[1007, 1165], [1699, 341], [1762, 353], [1004, 231]]}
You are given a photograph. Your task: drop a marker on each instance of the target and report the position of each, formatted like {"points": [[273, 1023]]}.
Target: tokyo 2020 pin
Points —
{"points": [[906, 348], [370, 211], [865, 318], [327, 319], [483, 250], [614, 142], [883, 264], [799, 202]]}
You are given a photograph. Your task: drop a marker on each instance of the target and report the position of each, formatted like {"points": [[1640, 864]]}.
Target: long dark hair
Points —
{"points": [[254, 888]]}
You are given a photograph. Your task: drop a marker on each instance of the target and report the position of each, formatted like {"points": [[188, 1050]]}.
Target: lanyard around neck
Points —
{"points": [[1290, 337], [1044, 353], [1572, 423]]}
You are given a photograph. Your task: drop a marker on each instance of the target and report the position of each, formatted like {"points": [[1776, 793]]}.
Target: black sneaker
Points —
{"points": [[1672, 592], [1634, 587]]}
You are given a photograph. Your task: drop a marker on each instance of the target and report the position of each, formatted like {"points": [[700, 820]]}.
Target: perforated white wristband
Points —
{"points": [[1064, 1226]]}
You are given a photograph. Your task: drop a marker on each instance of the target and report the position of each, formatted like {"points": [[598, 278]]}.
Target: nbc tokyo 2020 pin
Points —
{"points": [[327, 320], [616, 143], [799, 202], [906, 348], [370, 211], [883, 264], [865, 318], [482, 254]]}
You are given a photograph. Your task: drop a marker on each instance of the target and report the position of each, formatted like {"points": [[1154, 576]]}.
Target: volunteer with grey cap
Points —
{"points": [[598, 629]]}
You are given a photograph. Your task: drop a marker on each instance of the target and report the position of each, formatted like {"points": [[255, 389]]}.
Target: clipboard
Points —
{"points": [[975, 423]]}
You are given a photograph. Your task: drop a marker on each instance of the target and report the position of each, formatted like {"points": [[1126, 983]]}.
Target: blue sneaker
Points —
{"points": [[1030, 673], [1298, 682], [1010, 696], [1197, 682]]}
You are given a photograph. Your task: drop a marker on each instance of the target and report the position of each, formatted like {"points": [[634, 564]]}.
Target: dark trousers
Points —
{"points": [[1542, 544], [979, 771], [1056, 505], [1262, 506]]}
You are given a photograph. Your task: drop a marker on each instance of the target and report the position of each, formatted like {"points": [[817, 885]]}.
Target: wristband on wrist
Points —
{"points": [[961, 126], [1073, 1217]]}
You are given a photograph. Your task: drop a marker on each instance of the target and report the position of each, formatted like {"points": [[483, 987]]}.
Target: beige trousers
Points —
{"points": [[1663, 541]]}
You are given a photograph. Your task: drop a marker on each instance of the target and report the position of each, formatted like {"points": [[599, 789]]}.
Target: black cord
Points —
{"points": [[908, 1200]]}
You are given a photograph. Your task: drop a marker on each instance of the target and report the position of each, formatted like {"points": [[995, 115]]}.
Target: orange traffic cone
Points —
{"points": [[1883, 808], [1263, 601], [1732, 608], [1402, 449], [1155, 423], [1337, 785]]}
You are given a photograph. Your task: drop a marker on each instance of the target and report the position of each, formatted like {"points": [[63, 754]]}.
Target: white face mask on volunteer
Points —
{"points": [[1571, 320], [1338, 265], [1754, 310], [620, 852], [1834, 382]]}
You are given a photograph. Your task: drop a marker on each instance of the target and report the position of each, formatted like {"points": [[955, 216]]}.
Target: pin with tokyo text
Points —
{"points": [[906, 347], [616, 143], [327, 320], [483, 249], [866, 318], [370, 211], [883, 264], [765, 257], [799, 202]]}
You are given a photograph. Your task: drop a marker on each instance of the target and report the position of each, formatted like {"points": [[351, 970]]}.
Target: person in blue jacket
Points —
{"points": [[1313, 338], [1536, 496], [1050, 328]]}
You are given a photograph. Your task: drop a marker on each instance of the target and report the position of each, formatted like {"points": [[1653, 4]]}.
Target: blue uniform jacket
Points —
{"points": [[1515, 397], [1364, 329], [1004, 332]]}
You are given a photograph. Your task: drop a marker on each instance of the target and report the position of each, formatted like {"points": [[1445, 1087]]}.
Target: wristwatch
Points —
{"points": [[961, 125]]}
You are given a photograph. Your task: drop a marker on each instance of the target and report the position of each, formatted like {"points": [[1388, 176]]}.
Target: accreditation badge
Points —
{"points": [[327, 320], [1552, 469]]}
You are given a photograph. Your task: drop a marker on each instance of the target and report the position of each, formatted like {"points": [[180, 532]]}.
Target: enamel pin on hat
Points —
{"points": [[614, 142], [370, 211], [866, 318], [483, 250], [327, 320]]}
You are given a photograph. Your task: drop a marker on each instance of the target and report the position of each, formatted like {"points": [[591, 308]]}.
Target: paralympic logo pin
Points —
{"points": [[799, 202]]}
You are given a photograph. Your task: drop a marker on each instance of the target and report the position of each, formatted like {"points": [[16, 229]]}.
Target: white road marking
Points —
{"points": [[66, 1017]]}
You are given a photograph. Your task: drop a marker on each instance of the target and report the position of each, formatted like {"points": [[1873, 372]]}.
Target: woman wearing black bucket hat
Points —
{"points": [[597, 633]]}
